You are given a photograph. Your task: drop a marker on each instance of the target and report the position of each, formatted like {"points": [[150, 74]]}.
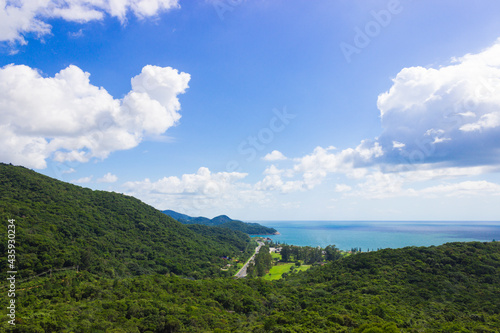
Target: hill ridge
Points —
{"points": [[60, 225], [223, 221]]}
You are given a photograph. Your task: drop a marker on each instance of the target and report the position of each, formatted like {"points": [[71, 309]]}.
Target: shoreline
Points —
{"points": [[262, 235]]}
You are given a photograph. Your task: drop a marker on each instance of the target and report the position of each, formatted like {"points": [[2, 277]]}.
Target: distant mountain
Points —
{"points": [[177, 216], [223, 221], [60, 225]]}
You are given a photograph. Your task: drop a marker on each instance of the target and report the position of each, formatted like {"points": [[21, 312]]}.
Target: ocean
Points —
{"points": [[373, 235]]}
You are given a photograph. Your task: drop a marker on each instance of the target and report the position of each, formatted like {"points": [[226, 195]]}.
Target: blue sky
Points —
{"points": [[261, 110]]}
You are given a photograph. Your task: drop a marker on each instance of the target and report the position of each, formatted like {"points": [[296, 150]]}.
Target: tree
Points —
{"points": [[332, 253], [285, 253]]}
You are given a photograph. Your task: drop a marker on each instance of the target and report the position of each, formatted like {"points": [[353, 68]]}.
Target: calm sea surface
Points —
{"points": [[378, 234]]}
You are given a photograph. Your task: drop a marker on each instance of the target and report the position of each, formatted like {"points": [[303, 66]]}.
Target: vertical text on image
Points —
{"points": [[11, 272]]}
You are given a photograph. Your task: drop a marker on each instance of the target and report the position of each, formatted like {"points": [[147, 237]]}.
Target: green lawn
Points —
{"points": [[277, 271], [276, 255]]}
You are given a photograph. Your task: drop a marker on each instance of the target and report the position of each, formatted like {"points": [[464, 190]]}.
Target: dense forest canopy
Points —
{"points": [[448, 288], [61, 225], [141, 271]]}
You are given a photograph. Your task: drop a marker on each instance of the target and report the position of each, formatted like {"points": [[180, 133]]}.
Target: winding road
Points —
{"points": [[243, 271]]}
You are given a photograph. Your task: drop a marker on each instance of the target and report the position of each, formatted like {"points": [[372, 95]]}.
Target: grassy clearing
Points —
{"points": [[277, 271], [276, 255]]}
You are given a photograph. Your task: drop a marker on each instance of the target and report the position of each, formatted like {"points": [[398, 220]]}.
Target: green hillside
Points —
{"points": [[141, 271], [450, 288], [61, 225], [223, 221]]}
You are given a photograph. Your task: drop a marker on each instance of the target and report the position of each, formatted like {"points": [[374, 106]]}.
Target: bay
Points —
{"points": [[374, 235]]}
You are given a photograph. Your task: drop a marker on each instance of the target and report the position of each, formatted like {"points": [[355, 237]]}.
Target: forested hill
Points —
{"points": [[223, 221], [127, 252], [61, 225], [449, 288]]}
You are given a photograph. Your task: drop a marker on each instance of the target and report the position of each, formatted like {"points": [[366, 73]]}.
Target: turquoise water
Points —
{"points": [[378, 234]]}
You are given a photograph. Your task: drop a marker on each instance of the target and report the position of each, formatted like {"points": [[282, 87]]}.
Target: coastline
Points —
{"points": [[381, 234]]}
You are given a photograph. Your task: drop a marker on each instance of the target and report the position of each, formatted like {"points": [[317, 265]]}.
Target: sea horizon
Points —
{"points": [[379, 234]]}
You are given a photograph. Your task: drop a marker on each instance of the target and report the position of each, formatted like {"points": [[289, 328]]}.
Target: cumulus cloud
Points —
{"points": [[273, 181], [380, 185], [351, 161], [397, 145], [18, 18], [83, 180], [342, 188], [108, 178], [275, 155], [490, 120], [465, 188], [371, 180], [440, 134], [197, 192], [450, 113], [203, 182], [70, 170], [438, 124], [67, 118], [311, 170], [380, 182]]}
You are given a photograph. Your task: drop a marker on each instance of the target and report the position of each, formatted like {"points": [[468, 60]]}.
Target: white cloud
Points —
{"points": [[450, 113], [467, 114], [426, 172], [316, 166], [69, 119], [311, 170], [427, 116], [273, 170], [70, 170], [342, 188], [108, 178], [403, 182], [465, 188], [197, 193], [273, 181], [275, 155], [438, 124], [489, 120], [83, 180], [439, 140], [373, 180], [379, 185], [20, 17], [203, 182], [77, 34], [397, 145]]}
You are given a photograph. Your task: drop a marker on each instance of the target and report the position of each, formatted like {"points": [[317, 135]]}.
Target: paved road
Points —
{"points": [[243, 271]]}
